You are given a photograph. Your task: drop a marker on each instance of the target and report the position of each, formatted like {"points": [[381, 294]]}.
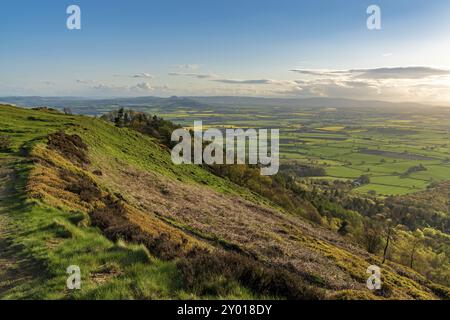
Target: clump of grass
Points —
{"points": [[60, 229], [5, 143], [112, 220], [207, 271], [440, 291]]}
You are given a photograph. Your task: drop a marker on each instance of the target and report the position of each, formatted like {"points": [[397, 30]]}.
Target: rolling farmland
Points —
{"points": [[347, 142]]}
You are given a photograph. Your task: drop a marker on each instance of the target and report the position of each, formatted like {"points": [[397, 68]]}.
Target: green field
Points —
{"points": [[347, 142]]}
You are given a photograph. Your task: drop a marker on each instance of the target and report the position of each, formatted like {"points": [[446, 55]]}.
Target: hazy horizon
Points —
{"points": [[93, 98]]}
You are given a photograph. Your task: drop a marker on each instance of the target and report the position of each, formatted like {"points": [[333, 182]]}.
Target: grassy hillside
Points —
{"points": [[79, 191]]}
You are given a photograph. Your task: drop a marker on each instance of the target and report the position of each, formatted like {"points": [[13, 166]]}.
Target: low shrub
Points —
{"points": [[200, 270], [113, 221], [82, 185], [69, 146]]}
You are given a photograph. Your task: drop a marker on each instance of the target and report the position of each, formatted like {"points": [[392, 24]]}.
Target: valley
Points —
{"points": [[108, 198], [347, 142]]}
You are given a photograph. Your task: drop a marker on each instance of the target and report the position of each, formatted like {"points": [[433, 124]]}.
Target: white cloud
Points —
{"points": [[234, 81], [114, 89], [122, 89], [256, 82], [143, 75], [379, 73], [423, 84], [108, 87], [193, 75], [319, 72], [399, 73], [186, 66], [81, 81], [145, 86]]}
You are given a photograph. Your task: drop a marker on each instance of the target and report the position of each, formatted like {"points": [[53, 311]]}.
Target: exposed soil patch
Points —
{"points": [[105, 274]]}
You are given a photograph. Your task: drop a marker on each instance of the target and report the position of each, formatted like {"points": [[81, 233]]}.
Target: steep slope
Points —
{"points": [[110, 200]]}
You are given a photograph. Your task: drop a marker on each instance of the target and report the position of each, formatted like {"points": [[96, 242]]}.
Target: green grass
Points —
{"points": [[385, 190], [133, 148], [51, 238], [398, 181], [434, 172], [343, 172]]}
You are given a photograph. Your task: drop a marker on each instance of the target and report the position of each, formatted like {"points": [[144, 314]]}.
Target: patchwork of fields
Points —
{"points": [[400, 150]]}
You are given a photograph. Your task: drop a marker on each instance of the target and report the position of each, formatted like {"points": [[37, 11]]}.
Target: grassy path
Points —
{"points": [[14, 270]]}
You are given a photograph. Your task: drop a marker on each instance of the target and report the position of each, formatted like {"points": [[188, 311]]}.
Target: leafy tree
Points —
{"points": [[119, 120], [343, 229], [371, 236], [364, 179]]}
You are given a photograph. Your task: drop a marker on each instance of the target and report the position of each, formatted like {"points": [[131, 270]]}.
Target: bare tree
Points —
{"points": [[386, 247], [390, 234], [418, 237]]}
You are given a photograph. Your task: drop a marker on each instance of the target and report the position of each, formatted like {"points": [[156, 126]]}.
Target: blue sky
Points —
{"points": [[218, 47]]}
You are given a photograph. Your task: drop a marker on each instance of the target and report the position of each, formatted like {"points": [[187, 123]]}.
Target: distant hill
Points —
{"points": [[80, 105], [90, 106]]}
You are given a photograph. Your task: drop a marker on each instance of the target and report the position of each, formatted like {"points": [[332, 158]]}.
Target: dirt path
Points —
{"points": [[13, 269]]}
